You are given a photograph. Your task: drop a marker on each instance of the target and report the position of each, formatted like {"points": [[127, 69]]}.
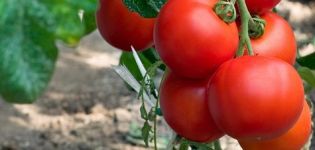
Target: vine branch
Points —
{"points": [[245, 39]]}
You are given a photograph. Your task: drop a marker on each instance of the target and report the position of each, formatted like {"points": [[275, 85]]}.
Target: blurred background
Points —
{"points": [[88, 107]]}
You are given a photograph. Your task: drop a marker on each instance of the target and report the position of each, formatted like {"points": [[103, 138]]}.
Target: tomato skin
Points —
{"points": [[260, 6], [249, 97], [184, 107], [277, 41], [294, 139], [122, 28], [192, 40]]}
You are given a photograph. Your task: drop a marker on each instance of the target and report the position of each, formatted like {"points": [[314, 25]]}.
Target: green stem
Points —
{"points": [[155, 124], [245, 39]]}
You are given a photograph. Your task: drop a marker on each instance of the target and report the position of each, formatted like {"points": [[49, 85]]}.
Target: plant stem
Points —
{"points": [[245, 39], [155, 124]]}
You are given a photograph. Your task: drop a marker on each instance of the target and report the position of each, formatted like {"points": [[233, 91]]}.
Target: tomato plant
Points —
{"points": [[261, 6], [184, 107], [249, 97], [294, 139], [192, 40], [122, 28], [272, 43], [256, 99]]}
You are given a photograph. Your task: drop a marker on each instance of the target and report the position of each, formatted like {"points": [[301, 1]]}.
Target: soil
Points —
{"points": [[88, 107]]}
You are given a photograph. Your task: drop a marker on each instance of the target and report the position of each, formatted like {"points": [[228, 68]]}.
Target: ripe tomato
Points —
{"points": [[122, 28], [294, 139], [192, 40], [184, 107], [255, 97], [278, 39], [260, 6]]}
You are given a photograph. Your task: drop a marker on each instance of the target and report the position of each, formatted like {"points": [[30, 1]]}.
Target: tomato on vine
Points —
{"points": [[278, 39], [255, 97], [294, 139], [184, 107], [192, 40], [122, 28]]}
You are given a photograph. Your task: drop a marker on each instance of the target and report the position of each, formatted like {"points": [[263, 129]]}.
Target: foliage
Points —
{"points": [[307, 61], [146, 8], [28, 33]]}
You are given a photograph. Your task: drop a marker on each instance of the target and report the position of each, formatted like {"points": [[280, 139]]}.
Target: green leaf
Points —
{"points": [[307, 61], [198, 146], [88, 8], [146, 8], [307, 75], [28, 33], [123, 72], [27, 48], [128, 60], [143, 112], [68, 25], [151, 55], [146, 129], [89, 21], [184, 146]]}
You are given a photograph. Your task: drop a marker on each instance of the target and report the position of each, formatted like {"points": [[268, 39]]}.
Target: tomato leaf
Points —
{"points": [[184, 146], [143, 112], [146, 8], [28, 33], [69, 27], [27, 48], [88, 8], [126, 75], [200, 146], [307, 61], [146, 129], [151, 55], [127, 59], [307, 75]]}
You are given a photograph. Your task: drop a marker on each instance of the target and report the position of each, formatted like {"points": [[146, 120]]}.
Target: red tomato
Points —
{"points": [[294, 139], [260, 6], [122, 28], [184, 107], [192, 40], [255, 97], [278, 39]]}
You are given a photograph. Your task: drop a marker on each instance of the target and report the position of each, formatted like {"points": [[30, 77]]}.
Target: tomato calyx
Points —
{"points": [[256, 27], [226, 11]]}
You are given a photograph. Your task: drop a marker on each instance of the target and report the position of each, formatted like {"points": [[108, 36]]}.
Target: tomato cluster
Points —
{"points": [[255, 99], [207, 91]]}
